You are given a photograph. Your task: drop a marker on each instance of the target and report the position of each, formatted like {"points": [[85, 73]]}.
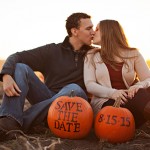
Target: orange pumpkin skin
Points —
{"points": [[115, 125], [70, 117]]}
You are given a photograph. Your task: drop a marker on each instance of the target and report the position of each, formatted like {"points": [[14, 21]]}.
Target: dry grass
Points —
{"points": [[42, 139]]}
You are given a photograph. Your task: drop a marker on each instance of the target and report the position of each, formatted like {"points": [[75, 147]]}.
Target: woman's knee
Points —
{"points": [[141, 94]]}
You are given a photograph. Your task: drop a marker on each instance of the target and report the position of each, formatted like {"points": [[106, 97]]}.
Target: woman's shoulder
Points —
{"points": [[133, 53], [94, 53]]}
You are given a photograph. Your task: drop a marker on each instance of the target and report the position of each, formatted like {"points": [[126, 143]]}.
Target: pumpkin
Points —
{"points": [[70, 117], [114, 124]]}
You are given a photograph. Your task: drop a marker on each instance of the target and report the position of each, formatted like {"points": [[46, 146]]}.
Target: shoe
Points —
{"points": [[8, 124], [147, 111]]}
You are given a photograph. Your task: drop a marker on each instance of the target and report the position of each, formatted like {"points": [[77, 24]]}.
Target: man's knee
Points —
{"points": [[20, 66], [21, 69], [77, 90], [75, 87]]}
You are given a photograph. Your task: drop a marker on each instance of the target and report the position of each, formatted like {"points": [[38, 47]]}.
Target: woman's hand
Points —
{"points": [[132, 90], [10, 87], [120, 94]]}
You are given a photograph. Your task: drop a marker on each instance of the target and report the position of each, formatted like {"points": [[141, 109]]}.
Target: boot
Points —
{"points": [[147, 111], [8, 124]]}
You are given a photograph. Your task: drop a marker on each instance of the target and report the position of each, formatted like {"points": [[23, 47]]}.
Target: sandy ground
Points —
{"points": [[41, 138]]}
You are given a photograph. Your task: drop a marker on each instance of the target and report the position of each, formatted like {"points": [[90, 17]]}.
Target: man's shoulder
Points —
{"points": [[52, 46]]}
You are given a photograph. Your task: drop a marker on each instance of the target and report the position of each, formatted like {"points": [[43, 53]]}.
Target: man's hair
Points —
{"points": [[73, 21]]}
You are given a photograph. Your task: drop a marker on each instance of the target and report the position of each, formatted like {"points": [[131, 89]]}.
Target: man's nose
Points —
{"points": [[93, 32]]}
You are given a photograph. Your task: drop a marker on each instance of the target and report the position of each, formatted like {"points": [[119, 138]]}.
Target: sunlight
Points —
{"points": [[136, 39], [29, 24], [148, 62]]}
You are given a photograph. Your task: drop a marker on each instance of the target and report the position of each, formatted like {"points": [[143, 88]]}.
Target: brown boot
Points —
{"points": [[147, 111], [8, 124]]}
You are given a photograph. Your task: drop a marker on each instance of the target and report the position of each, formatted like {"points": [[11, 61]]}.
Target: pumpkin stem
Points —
{"points": [[117, 102], [72, 94]]}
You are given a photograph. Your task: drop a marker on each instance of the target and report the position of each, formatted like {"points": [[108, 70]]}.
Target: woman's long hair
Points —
{"points": [[113, 40]]}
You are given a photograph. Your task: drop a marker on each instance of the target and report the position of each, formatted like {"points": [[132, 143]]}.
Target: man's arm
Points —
{"points": [[34, 58]]}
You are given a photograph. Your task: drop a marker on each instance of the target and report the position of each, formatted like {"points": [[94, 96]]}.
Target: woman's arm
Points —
{"points": [[90, 80], [143, 72]]}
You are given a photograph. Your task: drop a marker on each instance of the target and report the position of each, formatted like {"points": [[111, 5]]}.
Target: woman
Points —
{"points": [[110, 73]]}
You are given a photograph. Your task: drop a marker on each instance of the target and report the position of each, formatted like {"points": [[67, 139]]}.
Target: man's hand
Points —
{"points": [[10, 87]]}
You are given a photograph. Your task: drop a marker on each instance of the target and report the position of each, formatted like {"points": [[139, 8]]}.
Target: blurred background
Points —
{"points": [[27, 24]]}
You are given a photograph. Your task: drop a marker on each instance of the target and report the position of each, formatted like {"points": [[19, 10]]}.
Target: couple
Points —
{"points": [[109, 72]]}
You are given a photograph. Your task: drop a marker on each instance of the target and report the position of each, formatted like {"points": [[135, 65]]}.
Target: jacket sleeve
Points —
{"points": [[35, 58], [91, 83], [143, 71]]}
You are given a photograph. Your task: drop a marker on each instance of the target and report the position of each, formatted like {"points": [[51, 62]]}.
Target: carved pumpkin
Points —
{"points": [[114, 124], [70, 117]]}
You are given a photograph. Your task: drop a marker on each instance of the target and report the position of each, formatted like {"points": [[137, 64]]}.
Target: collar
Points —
{"points": [[67, 45]]}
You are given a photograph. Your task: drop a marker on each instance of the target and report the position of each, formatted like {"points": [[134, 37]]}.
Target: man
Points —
{"points": [[62, 67]]}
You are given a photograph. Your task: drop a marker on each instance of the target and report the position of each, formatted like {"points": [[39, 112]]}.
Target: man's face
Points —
{"points": [[85, 32], [97, 36]]}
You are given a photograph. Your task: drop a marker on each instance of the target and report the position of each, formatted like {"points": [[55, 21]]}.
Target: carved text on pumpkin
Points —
{"points": [[68, 116], [112, 119]]}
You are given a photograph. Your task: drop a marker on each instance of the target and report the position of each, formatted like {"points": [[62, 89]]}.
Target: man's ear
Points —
{"points": [[74, 31]]}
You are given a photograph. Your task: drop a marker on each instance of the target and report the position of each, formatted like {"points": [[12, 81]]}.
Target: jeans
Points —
{"points": [[37, 93]]}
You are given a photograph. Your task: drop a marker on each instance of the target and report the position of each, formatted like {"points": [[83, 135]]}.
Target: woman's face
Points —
{"points": [[97, 36]]}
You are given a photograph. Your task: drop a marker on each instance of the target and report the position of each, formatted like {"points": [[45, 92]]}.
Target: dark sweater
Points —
{"points": [[59, 64]]}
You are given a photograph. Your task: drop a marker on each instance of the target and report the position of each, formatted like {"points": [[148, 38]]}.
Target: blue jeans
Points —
{"points": [[37, 93]]}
